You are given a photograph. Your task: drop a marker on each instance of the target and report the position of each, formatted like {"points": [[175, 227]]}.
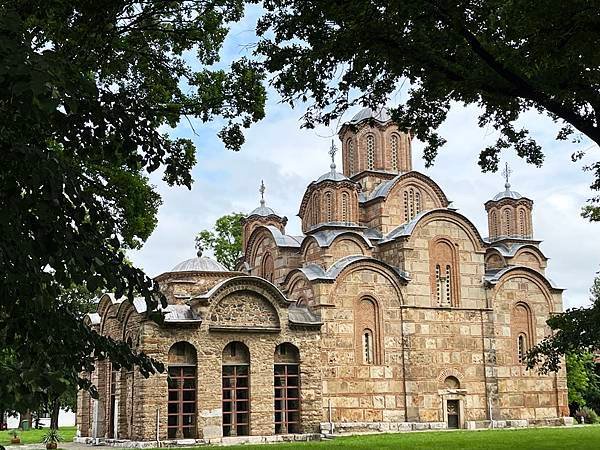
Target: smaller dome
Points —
{"points": [[507, 194], [381, 115], [199, 264], [263, 210], [332, 176]]}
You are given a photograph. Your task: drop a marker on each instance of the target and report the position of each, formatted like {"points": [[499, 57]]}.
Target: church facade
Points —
{"points": [[390, 312]]}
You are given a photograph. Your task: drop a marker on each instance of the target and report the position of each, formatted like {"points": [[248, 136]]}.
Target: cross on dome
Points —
{"points": [[262, 190], [332, 151], [506, 174]]}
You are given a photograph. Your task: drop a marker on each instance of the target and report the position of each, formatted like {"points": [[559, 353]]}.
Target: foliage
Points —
{"points": [[34, 436], [504, 57], [52, 436], [14, 434], [574, 331], [88, 91], [588, 415], [225, 241], [582, 380]]}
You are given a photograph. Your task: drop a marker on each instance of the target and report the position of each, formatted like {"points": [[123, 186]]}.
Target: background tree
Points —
{"points": [[504, 57], [225, 241], [583, 381], [88, 92], [575, 331]]}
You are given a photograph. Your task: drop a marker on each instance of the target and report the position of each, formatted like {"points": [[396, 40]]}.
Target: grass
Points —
{"points": [[35, 436], [581, 438]]}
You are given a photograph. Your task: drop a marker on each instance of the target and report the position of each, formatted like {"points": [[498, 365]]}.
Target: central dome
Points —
{"points": [[381, 115], [199, 264]]}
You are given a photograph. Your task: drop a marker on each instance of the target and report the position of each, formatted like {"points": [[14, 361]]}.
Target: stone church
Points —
{"points": [[390, 312]]}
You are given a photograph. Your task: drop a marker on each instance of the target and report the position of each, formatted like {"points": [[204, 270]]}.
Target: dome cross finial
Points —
{"points": [[506, 174], [332, 151], [262, 190]]}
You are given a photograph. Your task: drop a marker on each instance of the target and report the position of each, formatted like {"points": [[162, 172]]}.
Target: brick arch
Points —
{"points": [[259, 236], [496, 255], [299, 287], [450, 372], [241, 309], [444, 264], [368, 316]]}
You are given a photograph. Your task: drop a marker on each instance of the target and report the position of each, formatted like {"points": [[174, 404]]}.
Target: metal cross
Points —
{"points": [[506, 174], [262, 190], [332, 151]]}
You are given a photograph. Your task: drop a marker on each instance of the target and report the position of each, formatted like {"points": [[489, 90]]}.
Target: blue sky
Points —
{"points": [[288, 159]]}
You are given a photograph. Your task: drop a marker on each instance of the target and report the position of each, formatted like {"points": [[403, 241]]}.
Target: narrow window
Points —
{"points": [[521, 348], [268, 267], [438, 284], [522, 223], [406, 215], [181, 409], [236, 390], [350, 146], [328, 207], [494, 224], [411, 202], [507, 218], [394, 152], [345, 207], [368, 346], [113, 401], [417, 202], [287, 389], [370, 152], [448, 286]]}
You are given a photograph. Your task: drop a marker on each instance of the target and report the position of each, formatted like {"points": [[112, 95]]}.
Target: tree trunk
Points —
{"points": [[55, 411]]}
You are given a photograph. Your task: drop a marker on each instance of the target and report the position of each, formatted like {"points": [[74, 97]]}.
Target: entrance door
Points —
{"points": [[453, 412]]}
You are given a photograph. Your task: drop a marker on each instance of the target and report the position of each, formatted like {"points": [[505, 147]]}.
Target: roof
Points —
{"points": [[179, 314], [381, 115], [283, 240], [263, 210], [332, 175], [301, 315], [199, 264], [325, 237], [511, 249], [507, 194], [316, 272], [493, 276]]}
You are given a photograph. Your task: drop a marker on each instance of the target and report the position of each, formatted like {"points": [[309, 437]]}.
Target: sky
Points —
{"points": [[288, 158]]}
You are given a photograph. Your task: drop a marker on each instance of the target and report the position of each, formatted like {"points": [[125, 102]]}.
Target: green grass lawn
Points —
{"points": [[35, 436], [579, 438]]}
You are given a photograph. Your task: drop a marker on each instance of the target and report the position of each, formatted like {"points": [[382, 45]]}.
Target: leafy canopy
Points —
{"points": [[575, 331], [504, 57], [225, 241], [583, 382], [88, 92]]}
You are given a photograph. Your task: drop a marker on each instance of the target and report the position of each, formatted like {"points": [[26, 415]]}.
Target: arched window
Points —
{"points": [[350, 147], [521, 330], [268, 267], [181, 409], [394, 151], [444, 272], [406, 212], [494, 224], [236, 390], [507, 221], [345, 207], [368, 339], [315, 209], [370, 152], [523, 225], [411, 202], [287, 389], [329, 206], [114, 376], [417, 202]]}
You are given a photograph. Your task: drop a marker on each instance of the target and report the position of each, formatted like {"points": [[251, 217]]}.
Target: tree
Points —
{"points": [[575, 331], [505, 57], [582, 381], [88, 92], [225, 241]]}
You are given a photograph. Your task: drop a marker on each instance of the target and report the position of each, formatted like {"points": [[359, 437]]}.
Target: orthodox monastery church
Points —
{"points": [[390, 312]]}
